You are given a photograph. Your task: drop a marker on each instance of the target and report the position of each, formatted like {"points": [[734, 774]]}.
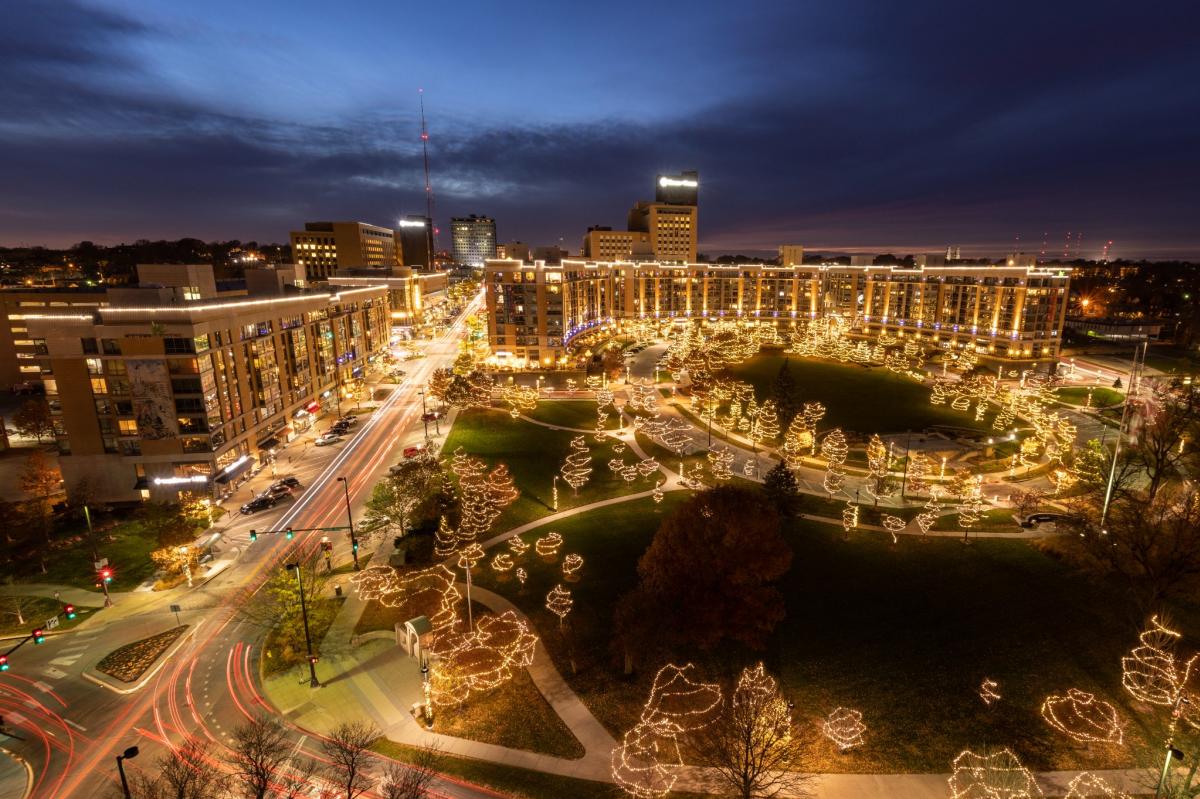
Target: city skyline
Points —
{"points": [[899, 129]]}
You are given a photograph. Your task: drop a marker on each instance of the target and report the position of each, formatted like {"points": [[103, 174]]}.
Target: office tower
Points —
{"points": [[474, 239], [681, 189], [670, 228], [415, 237], [324, 247]]}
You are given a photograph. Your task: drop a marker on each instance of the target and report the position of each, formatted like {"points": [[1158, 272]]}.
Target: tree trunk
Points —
{"points": [[628, 662]]}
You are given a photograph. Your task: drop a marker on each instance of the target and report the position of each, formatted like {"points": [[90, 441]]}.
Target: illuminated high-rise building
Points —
{"points": [[474, 239], [324, 247]]}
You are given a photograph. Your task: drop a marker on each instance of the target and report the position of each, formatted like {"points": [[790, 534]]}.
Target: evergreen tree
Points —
{"points": [[786, 395], [782, 490]]}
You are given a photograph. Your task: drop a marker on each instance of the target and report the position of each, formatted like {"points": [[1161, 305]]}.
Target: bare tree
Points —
{"points": [[1167, 442], [348, 750], [295, 781], [750, 750], [17, 605], [260, 747], [182, 773], [412, 780]]}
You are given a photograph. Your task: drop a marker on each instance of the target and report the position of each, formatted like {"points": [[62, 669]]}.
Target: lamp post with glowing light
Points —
{"points": [[313, 682], [350, 518]]}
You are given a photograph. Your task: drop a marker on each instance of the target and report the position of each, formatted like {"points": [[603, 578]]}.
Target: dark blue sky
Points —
{"points": [[842, 124]]}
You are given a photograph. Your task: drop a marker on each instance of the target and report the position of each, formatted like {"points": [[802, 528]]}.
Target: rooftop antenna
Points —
{"points": [[428, 186]]}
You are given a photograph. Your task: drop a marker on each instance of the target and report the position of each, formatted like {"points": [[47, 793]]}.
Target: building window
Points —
{"points": [[110, 346], [99, 385], [128, 427], [89, 346], [175, 345]]}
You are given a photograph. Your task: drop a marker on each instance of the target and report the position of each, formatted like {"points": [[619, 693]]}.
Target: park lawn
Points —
{"points": [[534, 455], [127, 547], [36, 610], [1101, 397], [997, 520], [321, 613], [903, 632], [580, 414], [509, 780], [856, 398]]}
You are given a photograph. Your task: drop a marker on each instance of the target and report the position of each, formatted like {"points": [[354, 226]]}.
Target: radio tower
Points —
{"points": [[428, 187]]}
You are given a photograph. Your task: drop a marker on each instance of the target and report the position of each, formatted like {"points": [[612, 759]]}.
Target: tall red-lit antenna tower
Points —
{"points": [[428, 186]]}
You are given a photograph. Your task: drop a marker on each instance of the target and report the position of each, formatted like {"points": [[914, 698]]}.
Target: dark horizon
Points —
{"points": [[855, 128]]}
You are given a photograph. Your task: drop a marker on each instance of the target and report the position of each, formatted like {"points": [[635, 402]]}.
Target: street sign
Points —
{"points": [[175, 608], [51, 623], [100, 564]]}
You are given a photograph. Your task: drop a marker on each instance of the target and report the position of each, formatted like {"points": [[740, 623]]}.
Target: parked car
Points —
{"points": [[277, 491], [340, 428], [413, 452], [349, 419], [261, 502], [325, 439], [289, 481], [1041, 518]]}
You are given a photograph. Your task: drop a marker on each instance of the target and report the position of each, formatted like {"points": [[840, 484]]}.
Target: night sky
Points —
{"points": [[902, 126]]}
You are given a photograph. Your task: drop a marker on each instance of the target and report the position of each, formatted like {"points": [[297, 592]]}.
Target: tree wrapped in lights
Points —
{"points": [[578, 466], [834, 450], [999, 775], [796, 441], [1083, 718], [426, 592], [517, 546], [445, 541], [572, 564], [1151, 672], [812, 413], [845, 728], [559, 602], [919, 469], [849, 518], [521, 576], [521, 399], [971, 506], [601, 421], [1087, 785], [720, 460], [657, 493], [877, 463], [480, 660], [469, 556], [749, 748], [548, 545], [989, 691], [893, 524], [647, 467], [502, 492], [502, 562], [766, 424]]}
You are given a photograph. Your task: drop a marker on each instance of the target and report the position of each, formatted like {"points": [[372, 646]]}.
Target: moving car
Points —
{"points": [[325, 439], [261, 502], [430, 416]]}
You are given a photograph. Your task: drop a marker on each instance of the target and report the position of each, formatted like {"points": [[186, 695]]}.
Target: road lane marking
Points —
{"points": [[77, 726]]}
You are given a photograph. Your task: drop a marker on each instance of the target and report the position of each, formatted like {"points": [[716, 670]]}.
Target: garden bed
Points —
{"points": [[131, 661]]}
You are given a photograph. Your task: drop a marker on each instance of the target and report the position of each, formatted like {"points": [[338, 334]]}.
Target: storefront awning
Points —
{"points": [[312, 407], [270, 443], [234, 469]]}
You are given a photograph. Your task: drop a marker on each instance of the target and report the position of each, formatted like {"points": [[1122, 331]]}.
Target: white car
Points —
{"points": [[325, 439]]}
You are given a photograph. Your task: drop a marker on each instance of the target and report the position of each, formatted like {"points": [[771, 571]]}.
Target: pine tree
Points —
{"points": [[785, 395], [782, 490]]}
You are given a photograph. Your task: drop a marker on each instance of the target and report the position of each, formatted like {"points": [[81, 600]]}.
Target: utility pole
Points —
{"points": [[353, 541], [313, 682]]}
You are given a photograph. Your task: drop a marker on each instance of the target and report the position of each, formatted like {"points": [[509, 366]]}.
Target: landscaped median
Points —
{"points": [[127, 668]]}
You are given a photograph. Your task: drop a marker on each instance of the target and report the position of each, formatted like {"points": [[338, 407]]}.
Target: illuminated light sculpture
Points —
{"points": [[629, 473], [578, 466], [926, 519], [845, 728], [467, 663], [1087, 785], [1083, 718], [548, 545], [999, 775], [469, 556], [657, 493], [502, 562], [893, 524], [796, 441], [643, 764], [919, 469], [559, 602], [521, 576], [877, 464], [971, 506], [647, 467], [426, 592], [720, 459], [445, 541], [766, 424], [517, 546], [989, 691], [849, 517], [1151, 672], [571, 565], [750, 468], [812, 412]]}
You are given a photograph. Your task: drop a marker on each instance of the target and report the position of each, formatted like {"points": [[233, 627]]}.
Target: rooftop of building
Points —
{"points": [[1039, 271]]}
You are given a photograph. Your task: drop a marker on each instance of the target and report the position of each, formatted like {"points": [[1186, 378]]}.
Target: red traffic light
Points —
{"points": [[106, 575], [69, 611], [38, 635], [3, 662]]}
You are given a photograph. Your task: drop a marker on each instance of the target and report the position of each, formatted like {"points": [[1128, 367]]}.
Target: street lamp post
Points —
{"points": [[128, 754], [313, 682], [350, 518], [424, 411]]}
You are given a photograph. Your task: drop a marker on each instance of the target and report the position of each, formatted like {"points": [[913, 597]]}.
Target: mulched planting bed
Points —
{"points": [[130, 662]]}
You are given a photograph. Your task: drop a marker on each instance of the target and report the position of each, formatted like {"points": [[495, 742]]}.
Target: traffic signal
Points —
{"points": [[253, 536], [326, 546], [290, 534], [38, 635], [69, 610], [106, 575], [3, 662], [355, 546]]}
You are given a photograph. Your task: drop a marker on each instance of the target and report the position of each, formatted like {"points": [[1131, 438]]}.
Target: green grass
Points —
{"points": [[534, 455], [999, 520], [572, 413], [903, 632], [1101, 397], [855, 398], [509, 780], [36, 611], [128, 554]]}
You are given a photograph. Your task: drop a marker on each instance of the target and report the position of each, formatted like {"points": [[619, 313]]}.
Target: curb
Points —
{"points": [[28, 771], [162, 660]]}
